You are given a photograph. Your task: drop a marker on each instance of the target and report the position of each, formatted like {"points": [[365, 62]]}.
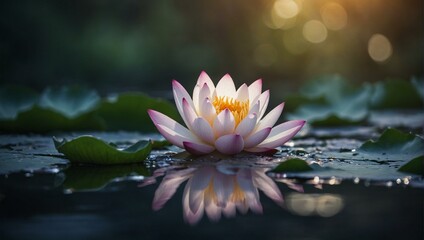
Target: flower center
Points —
{"points": [[238, 108]]}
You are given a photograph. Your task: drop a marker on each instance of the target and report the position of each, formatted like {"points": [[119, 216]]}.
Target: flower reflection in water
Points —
{"points": [[217, 190]]}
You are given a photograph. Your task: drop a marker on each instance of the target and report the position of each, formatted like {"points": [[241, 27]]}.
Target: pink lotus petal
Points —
{"points": [[223, 186], [168, 187], [242, 93], [212, 210], [225, 87], [271, 118], [207, 111], [201, 81], [203, 130], [224, 123], [198, 148], [229, 144], [189, 114], [268, 186], [255, 89], [244, 178], [188, 215], [180, 93], [199, 182], [170, 129], [263, 99], [282, 133], [247, 125], [229, 210], [256, 138], [204, 93], [254, 109]]}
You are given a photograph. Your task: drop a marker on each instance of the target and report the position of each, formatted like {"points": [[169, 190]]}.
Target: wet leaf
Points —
{"points": [[129, 111], [415, 166], [396, 93], [14, 99], [394, 144], [85, 178], [343, 104], [88, 149], [71, 101], [59, 109], [292, 165]]}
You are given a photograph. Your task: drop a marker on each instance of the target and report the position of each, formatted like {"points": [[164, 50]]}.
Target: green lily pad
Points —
{"points": [[88, 149], [89, 178], [415, 166], [59, 109], [397, 93], [292, 165], [343, 104], [14, 99], [394, 144], [129, 112], [71, 102]]}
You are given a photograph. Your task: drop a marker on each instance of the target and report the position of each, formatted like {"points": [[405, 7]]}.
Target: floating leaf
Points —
{"points": [[129, 112], [69, 101], [292, 165], [415, 166], [85, 178], [88, 149], [396, 94], [14, 100], [394, 144], [159, 144], [343, 104], [62, 109]]}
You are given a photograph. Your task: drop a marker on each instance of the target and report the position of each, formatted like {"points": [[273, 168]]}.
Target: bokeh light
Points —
{"points": [[286, 8], [315, 31], [379, 48], [334, 16]]}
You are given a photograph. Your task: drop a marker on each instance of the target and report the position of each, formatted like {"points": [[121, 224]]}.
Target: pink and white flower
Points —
{"points": [[217, 190], [224, 118]]}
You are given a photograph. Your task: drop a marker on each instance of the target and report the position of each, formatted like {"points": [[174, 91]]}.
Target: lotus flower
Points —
{"points": [[224, 119], [217, 190]]}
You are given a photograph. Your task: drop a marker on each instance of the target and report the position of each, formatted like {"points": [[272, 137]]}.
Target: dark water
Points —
{"points": [[65, 205]]}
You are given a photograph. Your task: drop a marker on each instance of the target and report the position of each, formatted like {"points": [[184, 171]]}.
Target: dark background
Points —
{"points": [[133, 45]]}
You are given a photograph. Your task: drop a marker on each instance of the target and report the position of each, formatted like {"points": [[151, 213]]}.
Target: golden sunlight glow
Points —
{"points": [[265, 55], [286, 8], [329, 205], [334, 16], [324, 205], [379, 48], [294, 43], [314, 31], [238, 109]]}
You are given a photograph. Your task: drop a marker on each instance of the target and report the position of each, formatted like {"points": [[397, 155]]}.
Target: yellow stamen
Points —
{"points": [[238, 108]]}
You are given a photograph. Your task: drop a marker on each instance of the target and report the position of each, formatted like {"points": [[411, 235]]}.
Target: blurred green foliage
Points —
{"points": [[133, 45], [75, 109]]}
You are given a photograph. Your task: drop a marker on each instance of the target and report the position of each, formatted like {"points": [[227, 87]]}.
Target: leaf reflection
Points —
{"points": [[216, 190]]}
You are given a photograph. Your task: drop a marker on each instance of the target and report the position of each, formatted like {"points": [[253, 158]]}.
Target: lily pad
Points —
{"points": [[58, 109], [86, 178], [129, 112], [14, 99], [394, 144], [69, 101], [415, 166], [88, 149], [292, 165], [396, 93], [343, 104]]}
